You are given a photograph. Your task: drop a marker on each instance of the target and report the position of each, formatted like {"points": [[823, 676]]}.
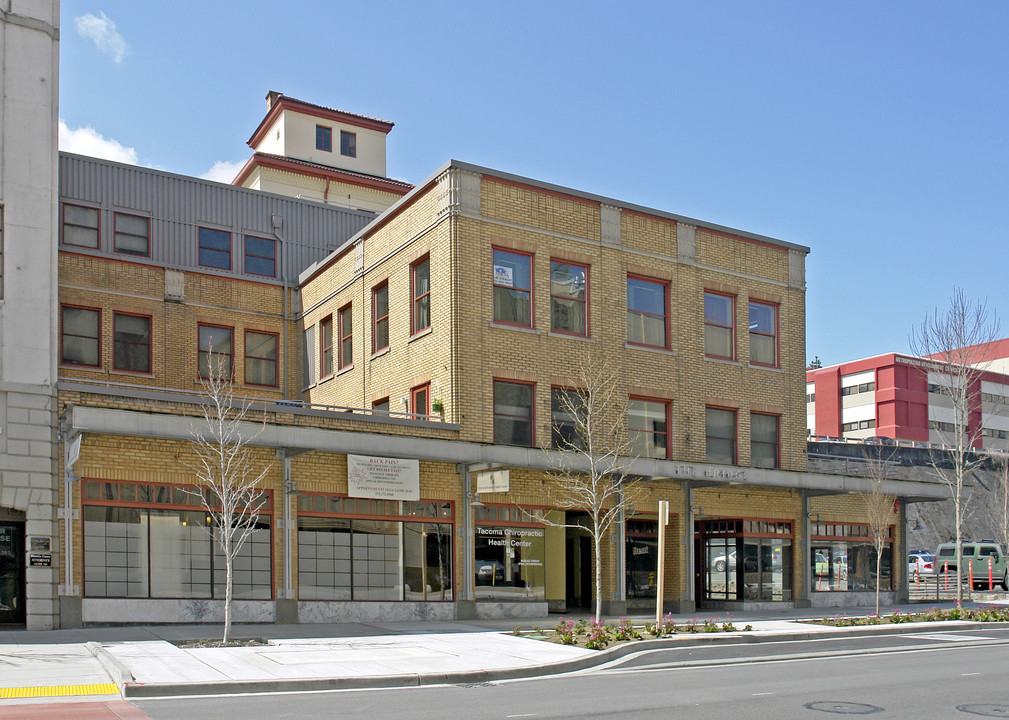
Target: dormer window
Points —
{"points": [[324, 138], [348, 143]]}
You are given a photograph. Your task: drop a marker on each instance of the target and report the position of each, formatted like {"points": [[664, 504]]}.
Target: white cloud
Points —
{"points": [[223, 171], [87, 141], [102, 31]]}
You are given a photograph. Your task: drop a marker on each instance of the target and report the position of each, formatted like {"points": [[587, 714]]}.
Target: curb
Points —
{"points": [[131, 689], [117, 671]]}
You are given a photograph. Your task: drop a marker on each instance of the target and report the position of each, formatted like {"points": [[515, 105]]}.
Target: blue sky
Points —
{"points": [[874, 133]]}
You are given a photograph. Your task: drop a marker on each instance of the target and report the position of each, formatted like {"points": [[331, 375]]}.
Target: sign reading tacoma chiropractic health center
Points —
{"points": [[383, 478]]}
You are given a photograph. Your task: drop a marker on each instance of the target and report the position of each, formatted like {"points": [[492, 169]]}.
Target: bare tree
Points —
{"points": [[955, 342], [878, 507], [591, 455], [229, 483]]}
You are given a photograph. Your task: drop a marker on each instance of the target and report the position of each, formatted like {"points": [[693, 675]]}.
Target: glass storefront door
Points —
{"points": [[12, 572], [743, 560]]}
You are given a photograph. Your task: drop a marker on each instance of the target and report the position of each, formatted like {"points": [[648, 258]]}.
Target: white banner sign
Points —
{"points": [[492, 481], [383, 478]]}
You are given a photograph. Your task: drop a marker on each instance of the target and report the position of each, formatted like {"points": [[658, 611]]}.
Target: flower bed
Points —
{"points": [[983, 613], [596, 635]]}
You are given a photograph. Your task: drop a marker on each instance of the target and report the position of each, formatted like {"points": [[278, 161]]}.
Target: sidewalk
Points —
{"points": [[142, 661]]}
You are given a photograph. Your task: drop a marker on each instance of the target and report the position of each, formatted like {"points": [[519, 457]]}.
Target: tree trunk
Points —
{"points": [[597, 572], [879, 562], [228, 562]]}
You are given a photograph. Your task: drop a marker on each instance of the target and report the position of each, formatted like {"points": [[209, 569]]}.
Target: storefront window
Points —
{"points": [[401, 556], [844, 559], [746, 560], [510, 563]]}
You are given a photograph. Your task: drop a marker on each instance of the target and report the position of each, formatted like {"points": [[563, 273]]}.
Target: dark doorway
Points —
{"points": [[12, 573], [578, 560]]}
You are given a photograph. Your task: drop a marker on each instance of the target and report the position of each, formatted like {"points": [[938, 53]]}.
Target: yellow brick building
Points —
{"points": [[406, 377]]}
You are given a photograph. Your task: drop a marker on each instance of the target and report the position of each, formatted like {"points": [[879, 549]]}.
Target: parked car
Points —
{"points": [[975, 558], [920, 561], [489, 572]]}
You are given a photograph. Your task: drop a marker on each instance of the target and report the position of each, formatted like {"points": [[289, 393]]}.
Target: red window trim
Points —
{"points": [[323, 348], [743, 532], [150, 343], [330, 143], [484, 522], [735, 431], [665, 307], [246, 356], [377, 516], [532, 284], [732, 327], [64, 223], [588, 284], [376, 319], [777, 328], [199, 247], [777, 449], [532, 413], [115, 232], [196, 504], [199, 350], [353, 135], [341, 336], [424, 387], [668, 407], [415, 299], [246, 255], [81, 307]]}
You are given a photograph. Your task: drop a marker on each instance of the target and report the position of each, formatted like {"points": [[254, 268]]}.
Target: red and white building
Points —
{"points": [[900, 397]]}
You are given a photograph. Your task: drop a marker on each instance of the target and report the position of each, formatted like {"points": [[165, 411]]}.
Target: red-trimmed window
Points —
{"points": [[514, 418], [326, 346], [80, 336], [765, 446], [569, 295], [649, 426], [324, 138], [348, 143], [81, 226], [720, 436], [513, 287], [719, 326], [131, 342], [420, 288], [132, 234], [217, 348], [260, 256], [380, 317], [647, 314], [346, 337], [215, 248], [568, 418], [763, 334], [261, 358], [380, 407], [420, 399]]}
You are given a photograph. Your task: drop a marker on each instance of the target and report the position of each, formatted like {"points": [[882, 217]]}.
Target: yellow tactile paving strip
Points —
{"points": [[59, 691]]}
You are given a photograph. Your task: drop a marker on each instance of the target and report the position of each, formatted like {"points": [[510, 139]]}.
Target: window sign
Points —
{"points": [[383, 478], [503, 276]]}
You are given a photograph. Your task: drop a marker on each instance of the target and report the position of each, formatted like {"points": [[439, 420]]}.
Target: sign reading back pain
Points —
{"points": [[383, 478]]}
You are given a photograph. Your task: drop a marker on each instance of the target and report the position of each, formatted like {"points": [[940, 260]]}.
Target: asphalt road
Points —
{"points": [[917, 676]]}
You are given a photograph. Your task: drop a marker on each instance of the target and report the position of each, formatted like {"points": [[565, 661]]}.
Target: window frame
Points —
{"points": [[346, 354], [275, 361], [324, 138], [96, 310], [246, 255], [667, 406], [731, 328], [376, 406], [201, 247], [665, 285], [200, 351], [377, 321], [774, 336], [415, 299], [777, 439], [97, 228], [348, 143], [556, 441], [586, 332], [416, 410], [532, 410], [116, 233], [735, 432], [528, 291], [324, 371], [150, 342]]}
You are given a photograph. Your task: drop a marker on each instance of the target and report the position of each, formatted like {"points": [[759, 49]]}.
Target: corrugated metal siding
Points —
{"points": [[179, 205]]}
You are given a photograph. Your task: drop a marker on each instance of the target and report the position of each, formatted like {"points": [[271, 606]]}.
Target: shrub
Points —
{"points": [[566, 631], [597, 635]]}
